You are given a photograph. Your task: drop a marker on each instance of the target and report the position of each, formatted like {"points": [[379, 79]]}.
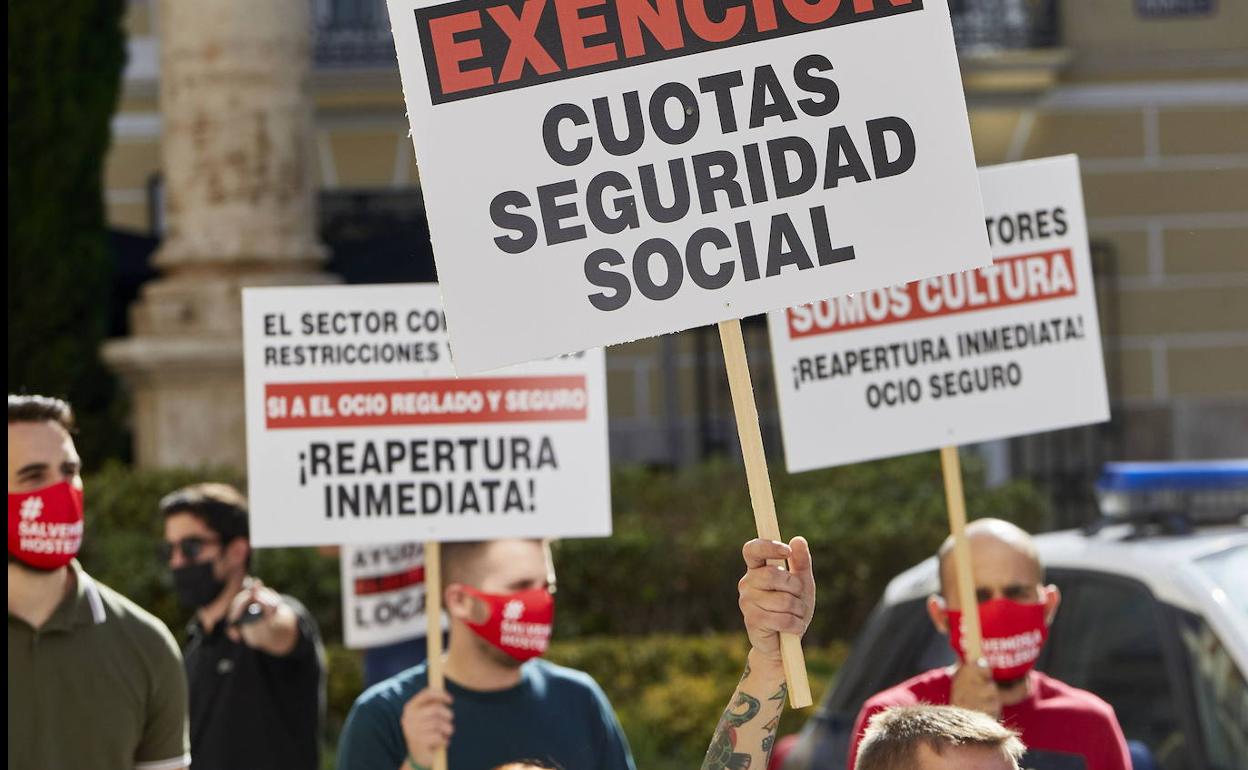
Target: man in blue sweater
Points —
{"points": [[503, 703]]}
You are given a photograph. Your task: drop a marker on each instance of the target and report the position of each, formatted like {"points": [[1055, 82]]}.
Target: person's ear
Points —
{"points": [[938, 613], [236, 553], [463, 606], [1052, 600], [550, 566]]}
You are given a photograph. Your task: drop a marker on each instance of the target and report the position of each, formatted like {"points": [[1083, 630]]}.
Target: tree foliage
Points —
{"points": [[65, 64]]}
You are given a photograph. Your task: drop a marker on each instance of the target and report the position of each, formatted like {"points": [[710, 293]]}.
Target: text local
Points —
{"points": [[387, 608], [733, 179], [477, 52]]}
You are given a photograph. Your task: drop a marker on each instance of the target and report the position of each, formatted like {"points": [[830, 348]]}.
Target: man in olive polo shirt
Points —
{"points": [[94, 681]]}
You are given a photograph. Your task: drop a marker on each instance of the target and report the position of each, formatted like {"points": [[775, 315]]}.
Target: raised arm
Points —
{"points": [[773, 601]]}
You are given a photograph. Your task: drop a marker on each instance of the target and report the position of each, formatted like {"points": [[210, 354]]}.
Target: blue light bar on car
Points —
{"points": [[1143, 477], [1215, 490]]}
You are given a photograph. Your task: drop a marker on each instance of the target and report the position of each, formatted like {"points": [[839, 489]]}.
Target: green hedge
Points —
{"points": [[668, 574], [674, 560], [670, 691]]}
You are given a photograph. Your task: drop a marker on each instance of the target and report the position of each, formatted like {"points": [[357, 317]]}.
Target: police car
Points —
{"points": [[1154, 619]]}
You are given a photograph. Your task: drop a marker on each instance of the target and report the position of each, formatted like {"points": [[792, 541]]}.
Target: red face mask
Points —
{"points": [[1013, 634], [519, 624], [45, 526]]}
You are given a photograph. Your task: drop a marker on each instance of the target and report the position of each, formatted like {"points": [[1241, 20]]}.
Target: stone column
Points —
{"points": [[240, 211]]}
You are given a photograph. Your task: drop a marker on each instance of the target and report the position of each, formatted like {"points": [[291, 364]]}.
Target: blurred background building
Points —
{"points": [[1152, 95]]}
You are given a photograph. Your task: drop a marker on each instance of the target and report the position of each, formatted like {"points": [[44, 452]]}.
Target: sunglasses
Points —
{"points": [[191, 548]]}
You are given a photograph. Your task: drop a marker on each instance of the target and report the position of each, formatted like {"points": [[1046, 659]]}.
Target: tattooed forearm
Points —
{"points": [[769, 729], [769, 735], [722, 755], [743, 726]]}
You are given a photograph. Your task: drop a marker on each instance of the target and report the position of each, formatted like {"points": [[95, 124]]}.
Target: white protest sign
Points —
{"points": [[383, 594], [596, 171], [1009, 349], [359, 433]]}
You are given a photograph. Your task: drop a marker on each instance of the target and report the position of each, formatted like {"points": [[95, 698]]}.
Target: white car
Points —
{"points": [[1154, 619]]}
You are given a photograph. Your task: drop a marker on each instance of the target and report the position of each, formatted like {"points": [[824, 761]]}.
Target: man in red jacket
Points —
{"points": [[1062, 726]]}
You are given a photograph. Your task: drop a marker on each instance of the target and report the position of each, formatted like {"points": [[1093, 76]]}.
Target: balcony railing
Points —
{"points": [[992, 26], [355, 34], [352, 34]]}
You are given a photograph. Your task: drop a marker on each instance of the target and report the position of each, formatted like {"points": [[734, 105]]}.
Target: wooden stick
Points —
{"points": [[956, 501], [763, 502], [433, 629]]}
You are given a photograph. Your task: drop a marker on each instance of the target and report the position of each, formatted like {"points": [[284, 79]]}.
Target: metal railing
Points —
{"points": [[992, 26], [352, 34]]}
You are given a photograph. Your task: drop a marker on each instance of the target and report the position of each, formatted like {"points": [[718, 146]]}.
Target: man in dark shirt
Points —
{"points": [[502, 704], [254, 660]]}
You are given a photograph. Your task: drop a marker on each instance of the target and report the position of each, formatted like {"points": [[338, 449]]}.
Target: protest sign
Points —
{"points": [[383, 594], [602, 170], [1009, 349], [358, 432], [597, 171]]}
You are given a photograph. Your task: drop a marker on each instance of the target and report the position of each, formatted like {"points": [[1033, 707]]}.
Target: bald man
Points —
{"points": [[1064, 728]]}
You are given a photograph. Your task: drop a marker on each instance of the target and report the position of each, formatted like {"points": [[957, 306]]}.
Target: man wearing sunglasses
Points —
{"points": [[254, 659], [94, 681]]}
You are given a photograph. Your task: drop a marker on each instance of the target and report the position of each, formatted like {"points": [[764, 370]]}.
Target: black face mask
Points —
{"points": [[196, 585]]}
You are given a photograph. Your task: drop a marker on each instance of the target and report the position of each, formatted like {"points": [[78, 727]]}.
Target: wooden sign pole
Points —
{"points": [[763, 502], [433, 628], [955, 499]]}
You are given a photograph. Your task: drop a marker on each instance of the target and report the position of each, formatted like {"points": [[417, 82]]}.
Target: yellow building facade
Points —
{"points": [[1151, 94]]}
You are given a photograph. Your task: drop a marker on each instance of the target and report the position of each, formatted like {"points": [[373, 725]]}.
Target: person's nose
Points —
{"points": [[175, 559]]}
